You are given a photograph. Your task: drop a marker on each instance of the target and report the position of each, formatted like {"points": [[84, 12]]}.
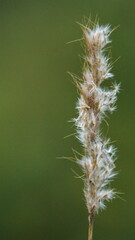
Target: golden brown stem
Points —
{"points": [[90, 229]]}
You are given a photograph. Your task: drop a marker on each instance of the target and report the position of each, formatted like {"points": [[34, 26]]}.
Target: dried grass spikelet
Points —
{"points": [[93, 103]]}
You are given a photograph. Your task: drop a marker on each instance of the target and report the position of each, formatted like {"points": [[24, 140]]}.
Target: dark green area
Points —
{"points": [[39, 197]]}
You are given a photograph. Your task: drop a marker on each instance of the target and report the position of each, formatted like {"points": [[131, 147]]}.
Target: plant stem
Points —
{"points": [[90, 229]]}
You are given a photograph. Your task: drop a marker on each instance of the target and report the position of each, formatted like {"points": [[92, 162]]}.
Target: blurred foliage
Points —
{"points": [[39, 196]]}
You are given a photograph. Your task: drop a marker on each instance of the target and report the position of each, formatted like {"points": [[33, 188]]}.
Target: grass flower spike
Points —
{"points": [[94, 101]]}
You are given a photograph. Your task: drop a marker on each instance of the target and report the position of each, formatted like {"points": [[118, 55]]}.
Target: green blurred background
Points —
{"points": [[39, 196]]}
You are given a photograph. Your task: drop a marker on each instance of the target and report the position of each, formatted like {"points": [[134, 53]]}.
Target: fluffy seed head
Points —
{"points": [[93, 104]]}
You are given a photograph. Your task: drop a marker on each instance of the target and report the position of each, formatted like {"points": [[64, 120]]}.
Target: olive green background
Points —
{"points": [[40, 199]]}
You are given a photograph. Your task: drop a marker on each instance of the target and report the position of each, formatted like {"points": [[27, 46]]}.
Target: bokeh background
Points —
{"points": [[40, 199]]}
